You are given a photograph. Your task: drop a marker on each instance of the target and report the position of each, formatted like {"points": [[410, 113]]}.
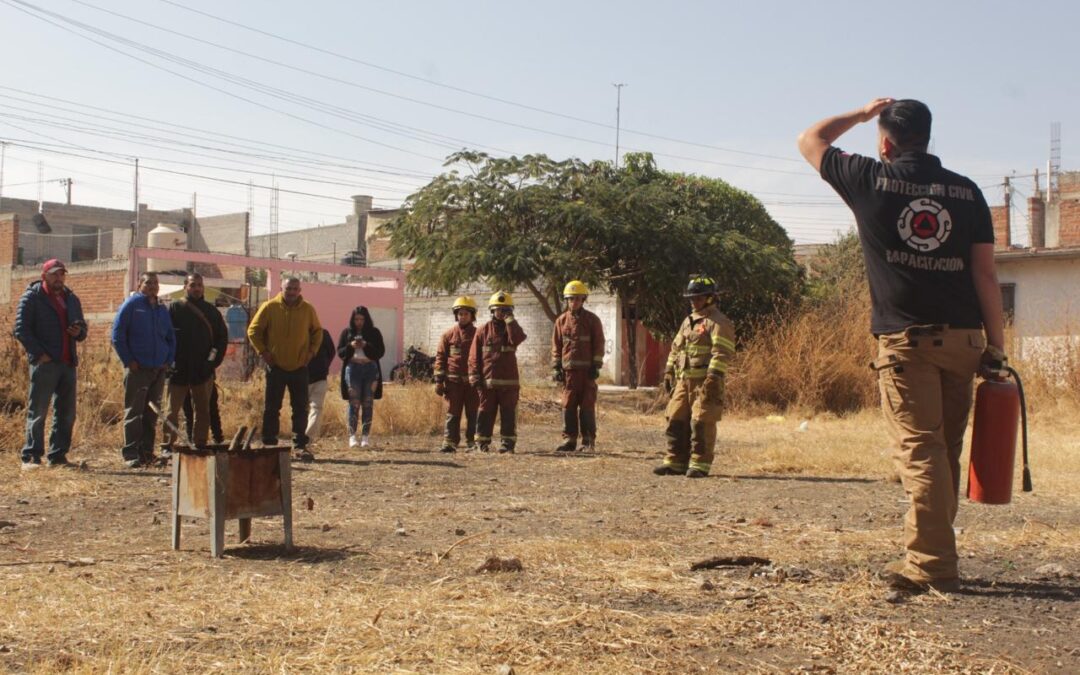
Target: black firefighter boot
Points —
{"points": [[588, 430], [570, 431], [678, 442]]}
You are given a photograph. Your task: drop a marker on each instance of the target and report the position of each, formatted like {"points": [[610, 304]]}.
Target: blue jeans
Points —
{"points": [[53, 381], [362, 378]]}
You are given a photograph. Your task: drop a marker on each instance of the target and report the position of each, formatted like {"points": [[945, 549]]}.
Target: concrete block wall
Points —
{"points": [[321, 244], [227, 233], [64, 219], [428, 317]]}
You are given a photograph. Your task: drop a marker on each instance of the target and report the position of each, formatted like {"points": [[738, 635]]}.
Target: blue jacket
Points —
{"points": [[143, 333], [37, 325]]}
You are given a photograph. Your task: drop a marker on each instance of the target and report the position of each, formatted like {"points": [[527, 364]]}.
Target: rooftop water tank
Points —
{"points": [[166, 236]]}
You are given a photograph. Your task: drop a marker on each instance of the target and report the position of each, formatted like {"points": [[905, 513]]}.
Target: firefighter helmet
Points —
{"points": [[501, 299], [575, 288], [464, 302], [700, 286]]}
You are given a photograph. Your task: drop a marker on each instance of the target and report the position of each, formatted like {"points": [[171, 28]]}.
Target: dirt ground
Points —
{"points": [[389, 540]]}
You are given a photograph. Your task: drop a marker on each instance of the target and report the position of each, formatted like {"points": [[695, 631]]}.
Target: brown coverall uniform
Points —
{"points": [[452, 370], [577, 348], [493, 370], [702, 349]]}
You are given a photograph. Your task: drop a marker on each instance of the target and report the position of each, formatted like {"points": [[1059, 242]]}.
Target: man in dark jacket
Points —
{"points": [[48, 323], [201, 339], [143, 338], [318, 369]]}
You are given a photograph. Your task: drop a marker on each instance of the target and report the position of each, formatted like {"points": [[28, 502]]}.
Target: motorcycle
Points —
{"points": [[417, 367]]}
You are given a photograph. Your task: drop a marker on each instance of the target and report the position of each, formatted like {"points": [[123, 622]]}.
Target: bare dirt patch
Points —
{"points": [[393, 568]]}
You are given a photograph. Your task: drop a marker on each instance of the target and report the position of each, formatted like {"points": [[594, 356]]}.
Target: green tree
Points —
{"points": [[638, 231]]}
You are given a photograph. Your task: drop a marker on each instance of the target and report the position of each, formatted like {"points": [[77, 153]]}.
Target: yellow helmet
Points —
{"points": [[464, 302], [501, 299], [575, 288]]}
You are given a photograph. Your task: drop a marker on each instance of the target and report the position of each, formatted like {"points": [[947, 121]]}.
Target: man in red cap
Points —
{"points": [[49, 323]]}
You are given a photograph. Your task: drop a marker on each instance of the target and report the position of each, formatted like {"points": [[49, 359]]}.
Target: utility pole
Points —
{"points": [[618, 115], [135, 234], [3, 155], [66, 184], [1008, 210]]}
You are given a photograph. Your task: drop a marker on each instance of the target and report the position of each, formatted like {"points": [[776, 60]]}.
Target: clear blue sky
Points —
{"points": [[725, 77]]}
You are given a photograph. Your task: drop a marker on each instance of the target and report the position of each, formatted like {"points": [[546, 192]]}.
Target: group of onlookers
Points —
{"points": [[176, 348]]}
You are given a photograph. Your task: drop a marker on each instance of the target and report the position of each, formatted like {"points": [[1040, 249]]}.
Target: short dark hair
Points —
{"points": [[291, 280], [192, 277], [907, 124], [147, 276]]}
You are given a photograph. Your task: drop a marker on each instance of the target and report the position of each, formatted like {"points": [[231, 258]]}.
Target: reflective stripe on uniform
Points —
{"points": [[678, 466], [693, 373], [723, 342], [580, 364], [483, 439], [507, 349], [718, 365], [503, 383], [700, 466]]}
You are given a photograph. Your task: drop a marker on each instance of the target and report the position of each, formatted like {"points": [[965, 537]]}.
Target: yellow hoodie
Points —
{"points": [[291, 334]]}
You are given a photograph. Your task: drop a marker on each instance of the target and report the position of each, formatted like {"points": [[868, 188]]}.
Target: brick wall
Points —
{"points": [[1037, 218], [9, 239], [99, 285], [1000, 217], [1069, 222]]}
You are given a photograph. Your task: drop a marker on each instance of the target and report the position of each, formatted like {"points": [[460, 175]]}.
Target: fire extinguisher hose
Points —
{"points": [[1024, 425]]}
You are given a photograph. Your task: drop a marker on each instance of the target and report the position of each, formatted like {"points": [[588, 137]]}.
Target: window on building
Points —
{"points": [[1008, 302], [84, 243]]}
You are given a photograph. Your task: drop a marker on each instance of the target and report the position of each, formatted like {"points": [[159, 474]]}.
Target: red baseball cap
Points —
{"points": [[52, 265]]}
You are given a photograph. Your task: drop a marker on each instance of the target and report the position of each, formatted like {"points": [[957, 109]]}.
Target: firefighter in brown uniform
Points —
{"points": [[577, 351], [493, 370], [928, 243], [452, 375], [699, 357]]}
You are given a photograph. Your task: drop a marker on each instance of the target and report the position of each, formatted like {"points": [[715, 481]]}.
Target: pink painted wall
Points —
{"points": [[383, 292]]}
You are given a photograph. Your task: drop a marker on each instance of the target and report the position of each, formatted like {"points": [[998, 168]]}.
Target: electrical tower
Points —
{"points": [[272, 240], [1053, 167]]}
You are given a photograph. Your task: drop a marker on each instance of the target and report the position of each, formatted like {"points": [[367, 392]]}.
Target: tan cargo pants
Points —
{"points": [[925, 378], [691, 430]]}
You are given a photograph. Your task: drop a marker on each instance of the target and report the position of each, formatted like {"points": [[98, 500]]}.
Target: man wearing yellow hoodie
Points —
{"points": [[286, 334]]}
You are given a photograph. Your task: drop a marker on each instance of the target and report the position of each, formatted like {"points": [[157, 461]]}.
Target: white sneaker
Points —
{"points": [[364, 442], [353, 442]]}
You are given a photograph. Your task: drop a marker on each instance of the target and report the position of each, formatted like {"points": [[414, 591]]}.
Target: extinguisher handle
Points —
{"points": [[1024, 426]]}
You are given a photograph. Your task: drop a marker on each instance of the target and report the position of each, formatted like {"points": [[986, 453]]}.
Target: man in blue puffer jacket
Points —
{"points": [[48, 323], [143, 337]]}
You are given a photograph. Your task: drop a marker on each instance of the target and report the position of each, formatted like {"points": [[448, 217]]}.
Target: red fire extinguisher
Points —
{"points": [[999, 406]]}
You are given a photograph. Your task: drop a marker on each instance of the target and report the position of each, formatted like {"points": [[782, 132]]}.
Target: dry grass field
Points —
{"points": [[386, 576]]}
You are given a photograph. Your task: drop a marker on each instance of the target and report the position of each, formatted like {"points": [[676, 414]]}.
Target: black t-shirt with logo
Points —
{"points": [[917, 222]]}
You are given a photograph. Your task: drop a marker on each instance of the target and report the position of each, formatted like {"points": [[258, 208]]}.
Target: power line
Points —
{"points": [[126, 117], [288, 96], [15, 5], [471, 92]]}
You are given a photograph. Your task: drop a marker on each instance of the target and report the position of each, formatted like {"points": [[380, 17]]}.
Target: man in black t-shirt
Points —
{"points": [[928, 243]]}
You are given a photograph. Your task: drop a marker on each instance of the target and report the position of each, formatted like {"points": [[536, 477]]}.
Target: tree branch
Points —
{"points": [[539, 295]]}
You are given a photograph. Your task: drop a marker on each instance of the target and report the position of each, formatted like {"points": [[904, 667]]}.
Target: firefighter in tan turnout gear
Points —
{"points": [[493, 370], [452, 375], [577, 352], [699, 357]]}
